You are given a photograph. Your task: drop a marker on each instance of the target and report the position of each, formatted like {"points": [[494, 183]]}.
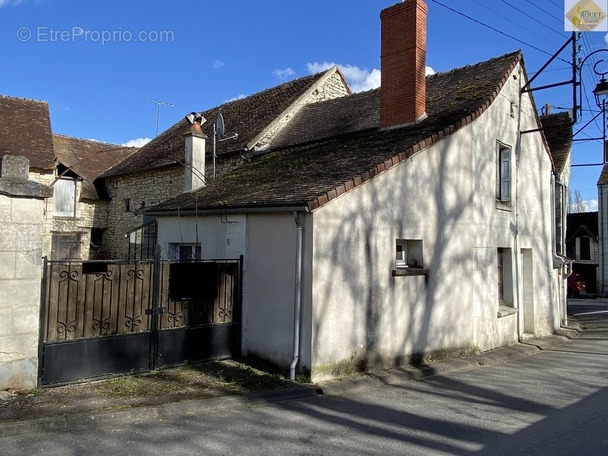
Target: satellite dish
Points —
{"points": [[219, 125]]}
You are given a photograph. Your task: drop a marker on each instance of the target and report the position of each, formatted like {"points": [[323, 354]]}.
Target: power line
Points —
{"points": [[496, 30], [526, 14], [513, 22], [560, 20]]}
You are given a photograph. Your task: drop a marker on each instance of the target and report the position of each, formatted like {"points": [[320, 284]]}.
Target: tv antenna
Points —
{"points": [[219, 130], [158, 104]]}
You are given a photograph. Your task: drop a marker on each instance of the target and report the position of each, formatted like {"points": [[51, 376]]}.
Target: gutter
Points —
{"points": [[297, 298], [222, 211]]}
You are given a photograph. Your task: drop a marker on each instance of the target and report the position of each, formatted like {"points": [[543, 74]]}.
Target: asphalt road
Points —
{"points": [[554, 402]]}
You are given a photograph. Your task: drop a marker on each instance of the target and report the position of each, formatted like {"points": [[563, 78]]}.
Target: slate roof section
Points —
{"points": [[309, 175], [25, 129], [247, 116], [558, 132], [582, 222], [88, 159]]}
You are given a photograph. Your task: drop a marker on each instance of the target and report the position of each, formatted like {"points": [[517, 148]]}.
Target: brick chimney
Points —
{"points": [[403, 63]]}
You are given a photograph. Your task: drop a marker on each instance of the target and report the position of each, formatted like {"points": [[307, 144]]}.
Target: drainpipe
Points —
{"points": [[297, 298], [518, 292]]}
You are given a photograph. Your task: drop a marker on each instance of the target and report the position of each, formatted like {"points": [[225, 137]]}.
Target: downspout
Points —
{"points": [[557, 289], [567, 267], [297, 298], [520, 311]]}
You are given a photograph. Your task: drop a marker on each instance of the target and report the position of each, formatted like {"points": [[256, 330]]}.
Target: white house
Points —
{"points": [[387, 226]]}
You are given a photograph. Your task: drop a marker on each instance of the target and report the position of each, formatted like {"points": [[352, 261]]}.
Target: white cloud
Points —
{"points": [[590, 205], [10, 2], [428, 70], [238, 97], [137, 142], [359, 79], [217, 64], [283, 74]]}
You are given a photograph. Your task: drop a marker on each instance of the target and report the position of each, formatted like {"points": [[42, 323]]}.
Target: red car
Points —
{"points": [[576, 285]]}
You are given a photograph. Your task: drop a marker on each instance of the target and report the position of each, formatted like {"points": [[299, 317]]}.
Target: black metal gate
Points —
{"points": [[101, 318]]}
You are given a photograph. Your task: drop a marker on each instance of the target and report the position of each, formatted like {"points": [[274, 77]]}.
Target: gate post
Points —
{"points": [[155, 310], [43, 317]]}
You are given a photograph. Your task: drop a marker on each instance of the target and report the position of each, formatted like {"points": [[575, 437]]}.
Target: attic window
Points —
{"points": [[64, 193]]}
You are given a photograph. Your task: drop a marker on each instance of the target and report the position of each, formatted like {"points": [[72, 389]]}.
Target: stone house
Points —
{"points": [[77, 215], [583, 247], [160, 170], [558, 132], [413, 220]]}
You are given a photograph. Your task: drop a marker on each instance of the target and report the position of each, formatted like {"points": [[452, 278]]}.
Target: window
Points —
{"points": [[504, 277], [408, 253], [185, 251], [501, 278], [585, 248], [97, 237], [64, 194], [66, 246], [503, 190]]}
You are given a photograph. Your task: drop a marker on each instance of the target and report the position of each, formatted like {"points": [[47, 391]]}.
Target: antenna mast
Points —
{"points": [[158, 104]]}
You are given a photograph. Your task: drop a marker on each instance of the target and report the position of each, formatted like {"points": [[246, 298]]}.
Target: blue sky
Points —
{"points": [[99, 64]]}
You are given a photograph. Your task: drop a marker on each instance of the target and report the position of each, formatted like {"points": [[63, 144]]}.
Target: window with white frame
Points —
{"points": [[185, 251], [504, 180], [64, 193], [408, 253]]}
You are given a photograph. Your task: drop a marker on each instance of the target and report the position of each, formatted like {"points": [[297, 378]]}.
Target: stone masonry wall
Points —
{"points": [[132, 193], [21, 225], [89, 214]]}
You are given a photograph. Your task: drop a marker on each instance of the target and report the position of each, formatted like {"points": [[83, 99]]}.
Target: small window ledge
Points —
{"points": [[399, 272], [503, 205], [504, 311]]}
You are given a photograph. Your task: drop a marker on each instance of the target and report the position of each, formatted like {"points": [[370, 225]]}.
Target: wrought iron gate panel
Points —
{"points": [[100, 318]]}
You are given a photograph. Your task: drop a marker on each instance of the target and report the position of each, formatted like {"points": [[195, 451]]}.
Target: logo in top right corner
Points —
{"points": [[585, 15]]}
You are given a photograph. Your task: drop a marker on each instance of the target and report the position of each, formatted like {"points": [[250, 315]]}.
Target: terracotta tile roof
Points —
{"points": [[558, 132], [247, 116], [585, 222], [88, 159], [25, 129], [312, 173]]}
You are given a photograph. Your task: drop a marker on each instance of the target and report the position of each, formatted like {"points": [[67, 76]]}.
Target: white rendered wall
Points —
{"points": [[446, 197]]}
